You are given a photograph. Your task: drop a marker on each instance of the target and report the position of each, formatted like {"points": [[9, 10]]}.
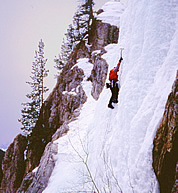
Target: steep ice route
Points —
{"points": [[118, 142]]}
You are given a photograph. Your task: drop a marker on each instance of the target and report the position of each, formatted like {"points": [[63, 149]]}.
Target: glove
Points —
{"points": [[120, 59]]}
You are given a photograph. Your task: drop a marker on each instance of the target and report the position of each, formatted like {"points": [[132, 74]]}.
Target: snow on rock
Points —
{"points": [[112, 11], [117, 144], [87, 67], [35, 170]]}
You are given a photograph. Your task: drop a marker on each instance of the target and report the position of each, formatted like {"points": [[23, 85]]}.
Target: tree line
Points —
{"points": [[76, 32]]}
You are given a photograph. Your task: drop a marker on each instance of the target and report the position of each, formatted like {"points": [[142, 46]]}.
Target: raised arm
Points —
{"points": [[116, 69]]}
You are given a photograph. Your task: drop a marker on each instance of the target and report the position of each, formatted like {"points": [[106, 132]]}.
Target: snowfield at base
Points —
{"points": [[116, 145]]}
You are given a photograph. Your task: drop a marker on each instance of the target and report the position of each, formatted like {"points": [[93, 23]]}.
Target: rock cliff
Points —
{"points": [[14, 165], [165, 151], [61, 107]]}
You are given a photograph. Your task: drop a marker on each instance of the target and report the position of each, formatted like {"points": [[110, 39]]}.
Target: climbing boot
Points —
{"points": [[110, 106]]}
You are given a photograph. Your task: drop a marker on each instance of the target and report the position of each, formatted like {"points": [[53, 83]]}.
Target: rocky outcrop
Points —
{"points": [[165, 151], [14, 165], [102, 34], [60, 107], [98, 75], [36, 181], [2, 153]]}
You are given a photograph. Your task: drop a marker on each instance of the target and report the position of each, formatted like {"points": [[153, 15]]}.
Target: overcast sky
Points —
{"points": [[22, 24]]}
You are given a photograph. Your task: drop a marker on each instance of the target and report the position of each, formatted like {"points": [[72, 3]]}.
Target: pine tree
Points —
{"points": [[63, 56], [31, 110], [59, 62], [66, 49], [83, 18], [70, 37]]}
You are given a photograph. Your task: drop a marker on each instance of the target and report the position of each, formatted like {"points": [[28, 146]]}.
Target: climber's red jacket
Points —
{"points": [[113, 73]]}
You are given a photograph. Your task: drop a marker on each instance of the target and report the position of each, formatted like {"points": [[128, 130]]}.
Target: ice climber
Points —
{"points": [[113, 85]]}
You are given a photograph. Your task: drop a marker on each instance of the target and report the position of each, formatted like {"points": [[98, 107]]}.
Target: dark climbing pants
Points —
{"points": [[114, 90]]}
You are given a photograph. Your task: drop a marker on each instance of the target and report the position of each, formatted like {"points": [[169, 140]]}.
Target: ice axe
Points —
{"points": [[121, 51]]}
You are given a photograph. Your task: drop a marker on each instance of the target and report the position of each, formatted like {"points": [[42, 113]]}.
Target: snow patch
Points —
{"points": [[87, 67], [35, 170]]}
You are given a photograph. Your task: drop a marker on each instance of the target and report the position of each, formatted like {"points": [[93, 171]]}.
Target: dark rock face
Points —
{"points": [[1, 174], [2, 153], [27, 180], [37, 181], [103, 35], [14, 165], [165, 151], [98, 75]]}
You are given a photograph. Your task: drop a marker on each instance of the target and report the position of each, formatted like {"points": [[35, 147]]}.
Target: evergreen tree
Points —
{"points": [[65, 51], [31, 110], [59, 63], [63, 56], [70, 37], [66, 48], [83, 18]]}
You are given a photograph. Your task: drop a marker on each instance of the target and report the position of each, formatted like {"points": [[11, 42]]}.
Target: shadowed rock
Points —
{"points": [[14, 165], [165, 151]]}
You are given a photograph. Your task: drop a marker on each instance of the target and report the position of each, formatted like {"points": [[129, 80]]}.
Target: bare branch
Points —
{"points": [[85, 162], [112, 172]]}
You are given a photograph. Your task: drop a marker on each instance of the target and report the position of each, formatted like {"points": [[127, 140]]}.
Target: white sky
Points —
{"points": [[22, 24]]}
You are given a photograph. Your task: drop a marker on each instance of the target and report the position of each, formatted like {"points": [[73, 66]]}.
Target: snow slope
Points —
{"points": [[114, 147]]}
